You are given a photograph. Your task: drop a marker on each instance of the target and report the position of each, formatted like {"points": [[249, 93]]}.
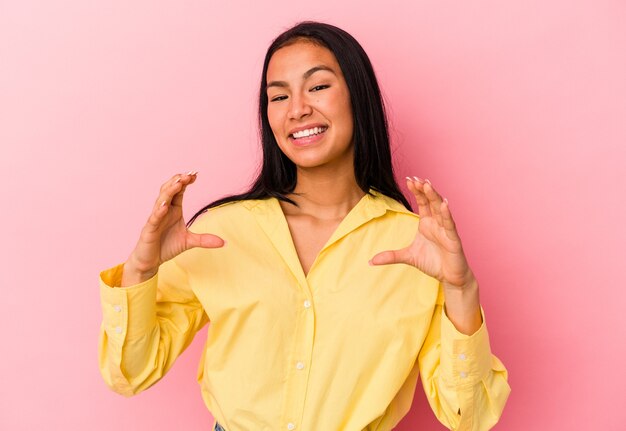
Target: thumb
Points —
{"points": [[204, 240], [391, 256]]}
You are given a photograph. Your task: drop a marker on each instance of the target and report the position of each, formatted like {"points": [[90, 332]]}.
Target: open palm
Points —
{"points": [[436, 249], [165, 234]]}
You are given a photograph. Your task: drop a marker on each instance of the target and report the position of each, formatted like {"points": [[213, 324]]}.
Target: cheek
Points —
{"points": [[347, 119], [345, 108], [273, 120], [276, 126]]}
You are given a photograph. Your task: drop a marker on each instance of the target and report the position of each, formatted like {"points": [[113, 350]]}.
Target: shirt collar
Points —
{"points": [[269, 214], [373, 204]]}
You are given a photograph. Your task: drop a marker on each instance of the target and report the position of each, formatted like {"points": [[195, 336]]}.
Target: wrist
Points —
{"points": [[462, 306], [467, 282], [134, 274]]}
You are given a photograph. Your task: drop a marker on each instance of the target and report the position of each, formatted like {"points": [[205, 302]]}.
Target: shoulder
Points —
{"points": [[237, 213], [391, 209]]}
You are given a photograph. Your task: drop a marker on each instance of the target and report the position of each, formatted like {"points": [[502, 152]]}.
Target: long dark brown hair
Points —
{"points": [[372, 153]]}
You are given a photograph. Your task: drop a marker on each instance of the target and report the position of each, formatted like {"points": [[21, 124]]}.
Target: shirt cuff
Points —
{"points": [[127, 312], [465, 359]]}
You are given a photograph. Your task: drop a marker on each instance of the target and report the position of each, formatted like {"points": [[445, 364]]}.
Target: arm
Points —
{"points": [[145, 327], [466, 386], [150, 321]]}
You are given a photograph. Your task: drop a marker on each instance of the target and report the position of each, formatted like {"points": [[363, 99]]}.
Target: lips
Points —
{"points": [[308, 136], [307, 130]]}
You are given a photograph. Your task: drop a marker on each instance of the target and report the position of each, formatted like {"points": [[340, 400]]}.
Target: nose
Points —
{"points": [[298, 107]]}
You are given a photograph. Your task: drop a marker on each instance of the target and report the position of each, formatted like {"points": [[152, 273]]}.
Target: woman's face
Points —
{"points": [[309, 107]]}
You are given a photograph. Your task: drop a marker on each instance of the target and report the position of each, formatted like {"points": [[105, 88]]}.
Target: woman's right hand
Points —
{"points": [[165, 235]]}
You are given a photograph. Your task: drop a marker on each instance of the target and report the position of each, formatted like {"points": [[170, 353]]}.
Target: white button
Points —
{"points": [[118, 329], [117, 308], [463, 374], [300, 365], [462, 356], [307, 304], [291, 426]]}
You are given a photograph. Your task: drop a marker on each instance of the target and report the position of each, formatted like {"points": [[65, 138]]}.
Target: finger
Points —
{"points": [[168, 191], [448, 222], [204, 240], [156, 217], [169, 185], [185, 180], [416, 186], [172, 192], [434, 200], [391, 256]]}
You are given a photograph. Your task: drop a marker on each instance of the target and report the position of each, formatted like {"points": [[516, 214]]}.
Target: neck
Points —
{"points": [[325, 195]]}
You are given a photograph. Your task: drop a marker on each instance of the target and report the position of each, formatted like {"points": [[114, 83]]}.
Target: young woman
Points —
{"points": [[327, 295]]}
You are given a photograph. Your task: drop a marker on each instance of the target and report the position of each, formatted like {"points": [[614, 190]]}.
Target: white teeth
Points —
{"points": [[309, 132]]}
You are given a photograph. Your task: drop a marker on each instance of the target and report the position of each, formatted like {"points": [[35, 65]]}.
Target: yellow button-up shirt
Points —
{"points": [[338, 349]]}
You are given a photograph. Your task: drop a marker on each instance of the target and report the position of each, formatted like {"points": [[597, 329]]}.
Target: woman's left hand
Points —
{"points": [[436, 249]]}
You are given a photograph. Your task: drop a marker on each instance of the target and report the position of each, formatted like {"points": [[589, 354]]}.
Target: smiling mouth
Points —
{"points": [[308, 133]]}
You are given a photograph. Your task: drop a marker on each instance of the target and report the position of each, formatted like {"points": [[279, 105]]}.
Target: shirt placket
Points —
{"points": [[299, 362], [274, 224]]}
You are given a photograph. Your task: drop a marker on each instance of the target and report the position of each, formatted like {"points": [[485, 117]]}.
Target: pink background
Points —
{"points": [[515, 110]]}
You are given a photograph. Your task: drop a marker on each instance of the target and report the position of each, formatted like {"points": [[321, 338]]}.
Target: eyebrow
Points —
{"points": [[305, 75]]}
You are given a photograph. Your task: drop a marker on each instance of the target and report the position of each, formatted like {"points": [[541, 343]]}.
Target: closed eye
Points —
{"points": [[313, 89], [319, 87]]}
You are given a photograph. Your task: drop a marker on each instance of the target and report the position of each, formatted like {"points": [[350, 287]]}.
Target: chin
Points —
{"points": [[308, 164]]}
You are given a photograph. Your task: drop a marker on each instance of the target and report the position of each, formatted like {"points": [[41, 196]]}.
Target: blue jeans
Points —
{"points": [[218, 427]]}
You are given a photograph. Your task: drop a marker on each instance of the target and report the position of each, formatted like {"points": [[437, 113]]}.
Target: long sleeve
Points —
{"points": [[465, 384], [145, 327]]}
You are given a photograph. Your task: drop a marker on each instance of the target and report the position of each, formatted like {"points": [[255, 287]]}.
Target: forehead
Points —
{"points": [[291, 61]]}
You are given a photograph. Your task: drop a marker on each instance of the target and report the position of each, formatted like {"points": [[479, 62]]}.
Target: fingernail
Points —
{"points": [[163, 203], [428, 181], [417, 179], [445, 200], [190, 172], [409, 178], [178, 180], [195, 173]]}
